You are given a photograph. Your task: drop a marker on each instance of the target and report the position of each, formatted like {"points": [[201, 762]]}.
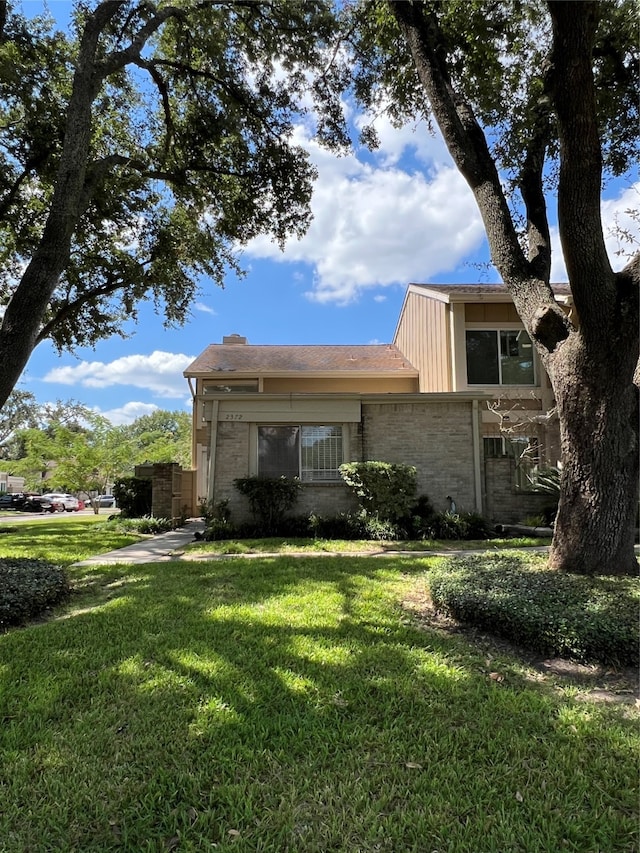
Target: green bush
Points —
{"points": [[210, 510], [383, 489], [345, 525], [380, 530], [449, 525], [27, 588], [133, 495], [217, 529], [148, 524], [269, 499], [354, 525], [588, 619]]}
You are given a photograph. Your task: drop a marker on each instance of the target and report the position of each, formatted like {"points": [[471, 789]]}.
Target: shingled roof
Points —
{"points": [[274, 360]]}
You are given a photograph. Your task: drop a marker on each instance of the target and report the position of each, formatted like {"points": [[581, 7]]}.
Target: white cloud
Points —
{"points": [[616, 220], [205, 309], [428, 146], [375, 227], [128, 413], [159, 372]]}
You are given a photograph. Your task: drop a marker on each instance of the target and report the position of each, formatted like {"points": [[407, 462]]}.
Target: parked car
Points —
{"points": [[41, 503], [9, 500], [69, 503], [106, 500]]}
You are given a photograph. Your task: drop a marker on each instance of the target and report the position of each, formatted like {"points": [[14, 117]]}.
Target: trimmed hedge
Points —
{"points": [[352, 525], [269, 499], [27, 588], [589, 619]]}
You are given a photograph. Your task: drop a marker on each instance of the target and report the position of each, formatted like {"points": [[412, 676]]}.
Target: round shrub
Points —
{"points": [[28, 588], [589, 619]]}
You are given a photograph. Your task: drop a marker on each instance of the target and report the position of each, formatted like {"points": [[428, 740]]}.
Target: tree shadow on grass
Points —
{"points": [[285, 700]]}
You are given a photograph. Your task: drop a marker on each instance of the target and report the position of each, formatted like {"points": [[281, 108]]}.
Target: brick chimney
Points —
{"points": [[234, 339]]}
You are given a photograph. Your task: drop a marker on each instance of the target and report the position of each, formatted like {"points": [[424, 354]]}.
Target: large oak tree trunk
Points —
{"points": [[598, 409], [593, 370], [591, 361]]}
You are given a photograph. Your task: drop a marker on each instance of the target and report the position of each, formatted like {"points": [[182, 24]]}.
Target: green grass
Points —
{"points": [[343, 546], [281, 704], [63, 540]]}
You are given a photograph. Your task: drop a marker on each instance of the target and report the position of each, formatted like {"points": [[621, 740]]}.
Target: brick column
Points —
{"points": [[165, 478]]}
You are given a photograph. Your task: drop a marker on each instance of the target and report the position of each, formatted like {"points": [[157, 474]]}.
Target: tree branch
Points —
{"points": [[468, 147], [118, 60], [164, 97], [68, 309], [531, 182], [11, 194], [579, 188]]}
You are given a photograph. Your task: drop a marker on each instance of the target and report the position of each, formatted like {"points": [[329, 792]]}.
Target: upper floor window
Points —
{"points": [[499, 357], [232, 386], [312, 453]]}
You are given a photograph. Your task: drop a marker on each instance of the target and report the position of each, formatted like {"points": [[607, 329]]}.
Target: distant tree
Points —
{"points": [[21, 411], [68, 413], [536, 102], [37, 452], [81, 461], [137, 152], [162, 436]]}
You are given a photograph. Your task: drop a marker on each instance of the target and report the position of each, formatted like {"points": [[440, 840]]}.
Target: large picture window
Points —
{"points": [[499, 357], [312, 453]]}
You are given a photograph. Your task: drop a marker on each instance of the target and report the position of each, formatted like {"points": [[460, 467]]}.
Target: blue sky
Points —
{"points": [[380, 221]]}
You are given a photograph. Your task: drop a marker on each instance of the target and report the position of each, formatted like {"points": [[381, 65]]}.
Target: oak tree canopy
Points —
{"points": [[139, 150]]}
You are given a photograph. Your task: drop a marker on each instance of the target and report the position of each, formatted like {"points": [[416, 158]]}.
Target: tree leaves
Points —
{"points": [[169, 142]]}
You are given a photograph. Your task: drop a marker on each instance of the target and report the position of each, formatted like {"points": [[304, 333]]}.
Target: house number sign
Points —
{"points": [[233, 416]]}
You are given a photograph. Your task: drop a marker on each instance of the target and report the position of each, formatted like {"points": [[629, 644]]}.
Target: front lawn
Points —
{"points": [[281, 704], [61, 540], [280, 545]]}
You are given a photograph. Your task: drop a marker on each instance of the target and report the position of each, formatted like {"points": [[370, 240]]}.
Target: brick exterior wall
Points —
{"points": [[503, 502], [166, 490], [232, 462], [436, 437]]}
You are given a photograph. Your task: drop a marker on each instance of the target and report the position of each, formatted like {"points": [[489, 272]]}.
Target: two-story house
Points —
{"points": [[304, 410], [459, 393]]}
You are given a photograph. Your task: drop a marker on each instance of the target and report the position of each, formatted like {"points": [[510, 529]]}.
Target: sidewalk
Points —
{"points": [[155, 549]]}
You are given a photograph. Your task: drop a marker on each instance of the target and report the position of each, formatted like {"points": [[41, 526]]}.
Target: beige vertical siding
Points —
{"points": [[491, 312], [423, 337]]}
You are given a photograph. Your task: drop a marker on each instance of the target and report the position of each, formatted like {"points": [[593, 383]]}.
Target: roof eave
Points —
{"points": [[396, 373]]}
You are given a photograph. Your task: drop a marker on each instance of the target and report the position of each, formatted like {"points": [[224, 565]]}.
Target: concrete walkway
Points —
{"points": [[166, 547], [155, 549]]}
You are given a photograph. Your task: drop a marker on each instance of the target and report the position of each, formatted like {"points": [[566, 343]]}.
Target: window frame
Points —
{"points": [[305, 474], [222, 387], [497, 330]]}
